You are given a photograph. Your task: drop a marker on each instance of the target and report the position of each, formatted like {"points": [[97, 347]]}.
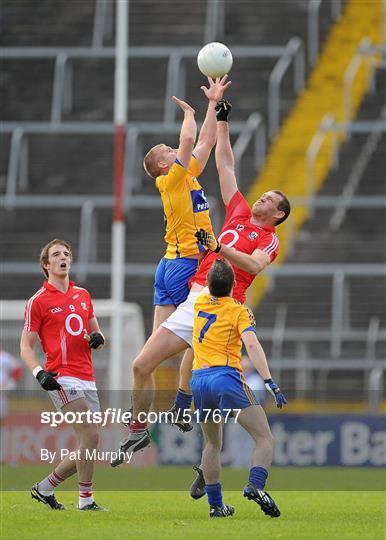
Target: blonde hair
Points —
{"points": [[150, 161], [45, 249]]}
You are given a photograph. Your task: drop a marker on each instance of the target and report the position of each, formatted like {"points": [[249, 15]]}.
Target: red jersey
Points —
{"points": [[238, 232], [62, 320]]}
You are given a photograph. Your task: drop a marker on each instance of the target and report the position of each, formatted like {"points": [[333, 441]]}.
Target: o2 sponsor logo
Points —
{"points": [[231, 240], [74, 324]]}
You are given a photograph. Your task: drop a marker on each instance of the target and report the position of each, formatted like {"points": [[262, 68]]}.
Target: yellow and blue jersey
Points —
{"points": [[186, 209], [218, 325]]}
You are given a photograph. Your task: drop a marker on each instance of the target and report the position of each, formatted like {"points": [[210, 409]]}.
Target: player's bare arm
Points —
{"points": [[253, 264], [188, 133], [27, 349], [256, 354], [208, 133], [28, 355], [225, 163]]}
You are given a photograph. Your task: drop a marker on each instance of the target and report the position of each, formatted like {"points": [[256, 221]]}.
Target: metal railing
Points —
{"points": [[62, 95], [279, 329], [214, 21], [88, 206], [88, 232], [18, 155], [365, 53], [17, 167], [305, 358], [175, 85], [153, 201], [176, 72], [176, 77], [294, 52], [280, 333], [313, 26], [375, 388], [356, 174], [133, 162], [312, 153], [18, 161], [254, 129], [103, 21], [329, 127], [305, 361], [88, 241]]}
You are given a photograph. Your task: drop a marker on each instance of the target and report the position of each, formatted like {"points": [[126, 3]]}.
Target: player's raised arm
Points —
{"points": [[208, 133], [225, 162], [188, 133]]}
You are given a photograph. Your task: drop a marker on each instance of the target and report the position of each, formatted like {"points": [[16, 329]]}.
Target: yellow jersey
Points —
{"points": [[218, 325], [186, 209]]}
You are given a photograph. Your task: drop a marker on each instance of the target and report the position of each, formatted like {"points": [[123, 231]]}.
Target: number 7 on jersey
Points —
{"points": [[211, 319]]}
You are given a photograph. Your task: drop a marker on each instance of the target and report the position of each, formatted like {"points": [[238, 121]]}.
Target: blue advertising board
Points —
{"points": [[300, 440]]}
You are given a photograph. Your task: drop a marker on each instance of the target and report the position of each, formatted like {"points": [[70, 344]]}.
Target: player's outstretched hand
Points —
{"points": [[208, 240], [96, 340], [47, 381], [183, 105], [223, 108], [216, 88], [275, 391]]}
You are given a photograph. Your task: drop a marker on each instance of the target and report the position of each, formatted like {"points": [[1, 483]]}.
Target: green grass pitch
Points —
{"points": [[157, 514]]}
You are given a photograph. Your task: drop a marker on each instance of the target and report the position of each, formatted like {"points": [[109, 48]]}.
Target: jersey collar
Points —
{"points": [[51, 288], [266, 228]]}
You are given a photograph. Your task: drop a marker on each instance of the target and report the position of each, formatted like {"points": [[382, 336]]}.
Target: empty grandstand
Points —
{"points": [[322, 312]]}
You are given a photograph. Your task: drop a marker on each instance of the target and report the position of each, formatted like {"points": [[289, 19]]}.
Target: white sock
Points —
{"points": [[85, 494], [47, 485]]}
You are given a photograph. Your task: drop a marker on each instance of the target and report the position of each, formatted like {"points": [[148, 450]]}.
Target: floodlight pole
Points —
{"points": [[118, 226]]}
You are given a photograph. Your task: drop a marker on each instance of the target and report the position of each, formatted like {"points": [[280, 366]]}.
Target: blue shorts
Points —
{"points": [[220, 388], [171, 280]]}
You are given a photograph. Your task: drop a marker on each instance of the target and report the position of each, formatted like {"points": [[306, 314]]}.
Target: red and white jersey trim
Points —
{"points": [[27, 324], [63, 345], [272, 246]]}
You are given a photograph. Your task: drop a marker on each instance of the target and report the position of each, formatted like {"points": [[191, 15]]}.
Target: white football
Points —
{"points": [[214, 60]]}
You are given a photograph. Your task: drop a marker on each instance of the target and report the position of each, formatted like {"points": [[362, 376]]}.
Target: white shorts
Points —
{"points": [[180, 321], [74, 388]]}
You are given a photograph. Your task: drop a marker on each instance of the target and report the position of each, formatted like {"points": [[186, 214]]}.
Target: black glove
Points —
{"points": [[208, 240], [222, 109], [47, 381], [96, 340]]}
